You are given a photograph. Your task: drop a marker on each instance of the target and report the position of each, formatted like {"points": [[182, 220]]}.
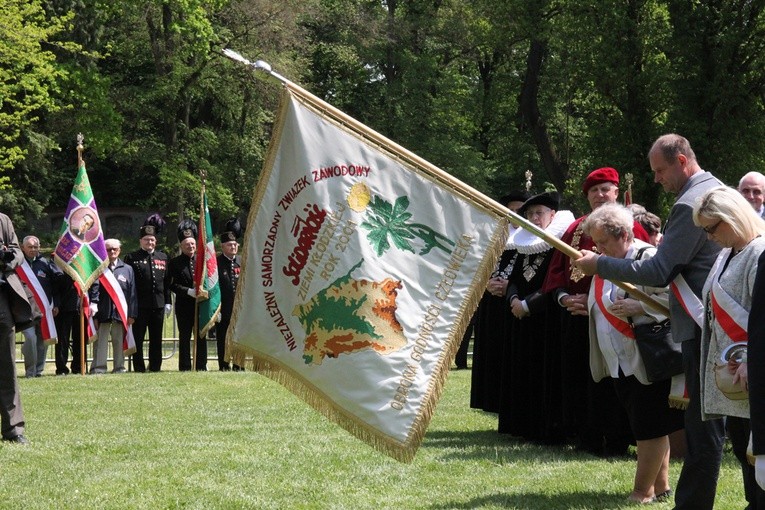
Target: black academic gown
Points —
{"points": [[530, 401], [491, 336]]}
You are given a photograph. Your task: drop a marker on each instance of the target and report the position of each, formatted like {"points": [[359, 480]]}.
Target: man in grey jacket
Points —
{"points": [[683, 260], [14, 311]]}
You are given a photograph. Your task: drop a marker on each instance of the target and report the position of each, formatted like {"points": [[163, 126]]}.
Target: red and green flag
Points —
{"points": [[206, 272]]}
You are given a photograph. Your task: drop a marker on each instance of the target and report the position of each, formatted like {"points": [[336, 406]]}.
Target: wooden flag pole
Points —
{"points": [[80, 148], [82, 334], [434, 172], [197, 288], [195, 336]]}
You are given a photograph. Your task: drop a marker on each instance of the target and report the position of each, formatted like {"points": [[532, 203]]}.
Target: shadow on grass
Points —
{"points": [[499, 448], [589, 500]]}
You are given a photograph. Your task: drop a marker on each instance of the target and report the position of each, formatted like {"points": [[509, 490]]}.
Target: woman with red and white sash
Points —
{"points": [[614, 353], [731, 222]]}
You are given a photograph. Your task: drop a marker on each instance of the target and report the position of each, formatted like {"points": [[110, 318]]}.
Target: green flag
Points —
{"points": [[206, 272], [80, 251]]}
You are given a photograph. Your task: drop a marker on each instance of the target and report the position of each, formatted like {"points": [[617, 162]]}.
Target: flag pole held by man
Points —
{"points": [[81, 252], [205, 276]]}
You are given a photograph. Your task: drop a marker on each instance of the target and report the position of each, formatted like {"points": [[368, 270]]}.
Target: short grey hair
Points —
{"points": [[615, 219], [113, 242], [756, 175]]}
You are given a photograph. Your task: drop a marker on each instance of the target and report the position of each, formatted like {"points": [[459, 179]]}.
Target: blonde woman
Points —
{"points": [[730, 221]]}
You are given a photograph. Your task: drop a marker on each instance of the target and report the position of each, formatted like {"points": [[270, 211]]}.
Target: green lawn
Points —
{"points": [[239, 440]]}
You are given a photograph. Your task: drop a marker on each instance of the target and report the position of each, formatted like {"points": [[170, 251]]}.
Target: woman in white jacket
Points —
{"points": [[614, 353]]}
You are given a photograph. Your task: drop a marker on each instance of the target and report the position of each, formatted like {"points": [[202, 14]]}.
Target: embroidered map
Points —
{"points": [[350, 316]]}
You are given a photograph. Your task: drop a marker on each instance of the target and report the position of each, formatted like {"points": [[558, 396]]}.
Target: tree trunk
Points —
{"points": [[556, 169]]}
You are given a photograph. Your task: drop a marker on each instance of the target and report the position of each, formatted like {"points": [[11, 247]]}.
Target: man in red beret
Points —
{"points": [[592, 413]]}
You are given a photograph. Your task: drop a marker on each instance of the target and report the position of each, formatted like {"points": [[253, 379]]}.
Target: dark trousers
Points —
{"points": [[591, 410], [697, 485], [68, 329], [185, 319], [64, 322], [11, 413], [221, 329], [738, 432], [152, 319], [220, 339], [460, 358]]}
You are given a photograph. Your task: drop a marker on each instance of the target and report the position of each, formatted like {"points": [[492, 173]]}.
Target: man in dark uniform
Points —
{"points": [[15, 310], [68, 326], [149, 266], [228, 278], [180, 280]]}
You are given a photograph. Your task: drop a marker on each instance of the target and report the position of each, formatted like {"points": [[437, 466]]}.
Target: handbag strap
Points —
{"points": [[638, 256]]}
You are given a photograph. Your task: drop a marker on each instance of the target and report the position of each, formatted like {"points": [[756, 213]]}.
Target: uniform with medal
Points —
{"points": [[229, 265], [179, 279], [154, 300]]}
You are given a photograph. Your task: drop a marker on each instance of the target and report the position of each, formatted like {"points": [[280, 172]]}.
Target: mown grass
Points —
{"points": [[238, 440]]}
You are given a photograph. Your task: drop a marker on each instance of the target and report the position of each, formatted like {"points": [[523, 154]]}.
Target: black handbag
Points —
{"points": [[662, 357]]}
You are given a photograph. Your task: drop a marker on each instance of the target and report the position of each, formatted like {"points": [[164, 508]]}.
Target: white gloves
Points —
{"points": [[168, 309], [93, 309], [192, 293], [759, 470]]}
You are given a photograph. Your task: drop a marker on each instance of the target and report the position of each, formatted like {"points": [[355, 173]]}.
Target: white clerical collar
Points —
{"points": [[527, 243]]}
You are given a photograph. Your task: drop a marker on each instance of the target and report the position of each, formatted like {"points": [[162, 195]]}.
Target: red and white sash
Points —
{"points": [[112, 287], [603, 299], [47, 325], [731, 316], [688, 300]]}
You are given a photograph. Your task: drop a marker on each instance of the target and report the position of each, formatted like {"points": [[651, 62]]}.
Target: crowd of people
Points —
{"points": [[132, 295], [644, 338], [558, 340], [134, 300]]}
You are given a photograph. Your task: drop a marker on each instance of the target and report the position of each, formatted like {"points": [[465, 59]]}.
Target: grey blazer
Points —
{"points": [[684, 249], [19, 296]]}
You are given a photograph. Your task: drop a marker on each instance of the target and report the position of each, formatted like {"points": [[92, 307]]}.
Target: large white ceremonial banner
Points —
{"points": [[360, 274]]}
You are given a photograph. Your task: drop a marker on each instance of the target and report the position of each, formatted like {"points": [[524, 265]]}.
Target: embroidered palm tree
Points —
{"points": [[391, 221]]}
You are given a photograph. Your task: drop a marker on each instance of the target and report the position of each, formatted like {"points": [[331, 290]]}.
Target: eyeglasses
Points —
{"points": [[112, 249], [711, 230]]}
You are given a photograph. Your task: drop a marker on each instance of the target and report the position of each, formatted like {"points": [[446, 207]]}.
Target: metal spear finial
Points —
{"points": [[80, 147]]}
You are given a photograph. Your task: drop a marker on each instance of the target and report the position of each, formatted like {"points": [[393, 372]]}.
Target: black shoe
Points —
{"points": [[20, 439]]}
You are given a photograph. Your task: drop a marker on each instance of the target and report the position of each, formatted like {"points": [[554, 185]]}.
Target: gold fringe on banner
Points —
{"points": [[257, 198], [678, 402], [251, 359], [402, 451]]}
